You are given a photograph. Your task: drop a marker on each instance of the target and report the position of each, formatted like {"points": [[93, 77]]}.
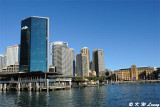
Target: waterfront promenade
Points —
{"points": [[39, 81], [136, 82]]}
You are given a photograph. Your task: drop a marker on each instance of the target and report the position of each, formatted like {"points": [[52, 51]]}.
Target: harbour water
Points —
{"points": [[108, 96]]}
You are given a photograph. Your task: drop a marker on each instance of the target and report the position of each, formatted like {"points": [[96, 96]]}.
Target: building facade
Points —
{"points": [[14, 68], [98, 61], [158, 73], [81, 65], [135, 73], [2, 62], [63, 58], [54, 51], [34, 52], [12, 54], [52, 69], [73, 59], [85, 50], [91, 66]]}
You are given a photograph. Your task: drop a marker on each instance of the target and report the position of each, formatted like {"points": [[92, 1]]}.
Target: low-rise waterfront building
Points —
{"points": [[52, 69], [109, 72], [135, 73], [11, 68], [91, 74], [36, 81]]}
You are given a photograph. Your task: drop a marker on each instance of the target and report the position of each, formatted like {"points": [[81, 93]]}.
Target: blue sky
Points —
{"points": [[127, 30]]}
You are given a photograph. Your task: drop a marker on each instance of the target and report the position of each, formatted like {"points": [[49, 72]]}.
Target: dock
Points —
{"points": [[33, 81]]}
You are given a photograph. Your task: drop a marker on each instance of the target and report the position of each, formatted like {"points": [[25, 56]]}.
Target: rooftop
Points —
{"points": [[25, 74], [37, 17]]}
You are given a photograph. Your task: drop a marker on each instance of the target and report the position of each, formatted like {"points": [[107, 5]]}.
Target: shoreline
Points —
{"points": [[121, 83], [135, 82]]}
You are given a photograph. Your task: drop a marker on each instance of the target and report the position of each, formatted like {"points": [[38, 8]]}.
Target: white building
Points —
{"points": [[63, 58], [12, 55], [2, 62], [54, 50]]}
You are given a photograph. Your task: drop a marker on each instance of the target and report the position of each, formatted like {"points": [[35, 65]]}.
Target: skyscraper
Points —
{"points": [[12, 54], [63, 58], [34, 51], [73, 59], [54, 51], [98, 61], [85, 50], [2, 62], [81, 65]]}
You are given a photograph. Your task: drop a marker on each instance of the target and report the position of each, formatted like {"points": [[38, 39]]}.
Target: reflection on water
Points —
{"points": [[110, 96]]}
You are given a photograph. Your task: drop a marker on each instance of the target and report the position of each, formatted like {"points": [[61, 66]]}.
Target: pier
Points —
{"points": [[33, 81]]}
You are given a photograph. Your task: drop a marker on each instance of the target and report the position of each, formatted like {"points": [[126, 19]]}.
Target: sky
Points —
{"points": [[127, 30]]}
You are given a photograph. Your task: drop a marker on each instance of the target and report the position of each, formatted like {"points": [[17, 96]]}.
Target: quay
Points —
{"points": [[34, 81], [133, 82]]}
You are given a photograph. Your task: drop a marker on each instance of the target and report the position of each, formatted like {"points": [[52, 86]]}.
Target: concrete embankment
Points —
{"points": [[137, 82]]}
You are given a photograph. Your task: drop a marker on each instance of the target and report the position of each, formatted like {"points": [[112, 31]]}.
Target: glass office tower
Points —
{"points": [[34, 44]]}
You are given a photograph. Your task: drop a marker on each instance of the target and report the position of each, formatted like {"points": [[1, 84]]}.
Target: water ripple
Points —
{"points": [[110, 96]]}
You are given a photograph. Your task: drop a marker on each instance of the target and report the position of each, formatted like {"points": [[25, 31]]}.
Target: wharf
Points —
{"points": [[34, 81], [135, 82]]}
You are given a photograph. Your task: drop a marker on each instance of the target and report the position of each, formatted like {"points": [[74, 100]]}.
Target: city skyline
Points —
{"points": [[134, 43]]}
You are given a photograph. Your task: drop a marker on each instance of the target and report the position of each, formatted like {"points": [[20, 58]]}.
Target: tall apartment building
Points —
{"points": [[54, 51], [91, 65], [81, 65], [2, 62], [63, 58], [12, 55], [98, 61], [73, 59], [34, 52], [85, 50]]}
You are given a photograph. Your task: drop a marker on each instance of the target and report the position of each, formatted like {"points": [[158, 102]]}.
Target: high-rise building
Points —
{"points": [[34, 51], [12, 55], [91, 66], [54, 51], [63, 58], [73, 59], [85, 50], [98, 61], [2, 62], [81, 65]]}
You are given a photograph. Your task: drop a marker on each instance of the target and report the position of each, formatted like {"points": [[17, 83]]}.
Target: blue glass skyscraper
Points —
{"points": [[34, 44]]}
